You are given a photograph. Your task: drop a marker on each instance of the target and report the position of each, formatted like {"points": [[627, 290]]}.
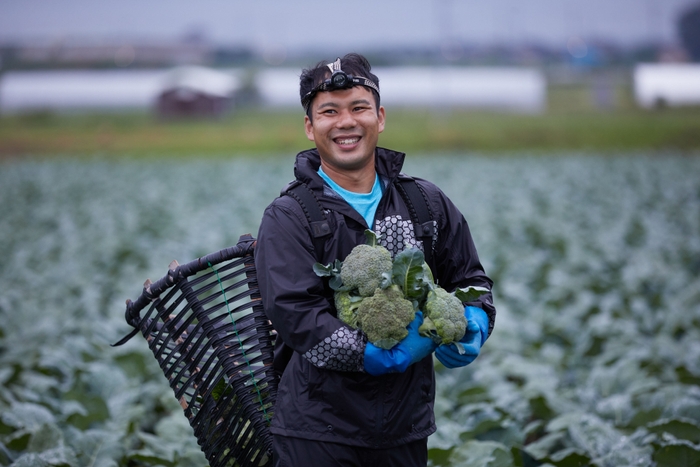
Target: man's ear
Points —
{"points": [[308, 128], [381, 115]]}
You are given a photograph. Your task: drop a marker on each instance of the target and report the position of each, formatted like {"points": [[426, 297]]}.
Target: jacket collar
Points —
{"points": [[387, 163]]}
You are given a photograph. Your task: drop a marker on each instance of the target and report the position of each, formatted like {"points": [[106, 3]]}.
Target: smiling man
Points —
{"points": [[345, 126], [342, 400]]}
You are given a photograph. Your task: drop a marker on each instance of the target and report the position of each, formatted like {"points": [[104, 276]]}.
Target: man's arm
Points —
{"points": [[293, 296], [456, 258]]}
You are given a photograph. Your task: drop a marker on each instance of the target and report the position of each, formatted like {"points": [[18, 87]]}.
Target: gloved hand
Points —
{"points": [[413, 348], [475, 336]]}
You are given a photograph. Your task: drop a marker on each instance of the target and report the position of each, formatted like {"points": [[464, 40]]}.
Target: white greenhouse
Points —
{"points": [[658, 85]]}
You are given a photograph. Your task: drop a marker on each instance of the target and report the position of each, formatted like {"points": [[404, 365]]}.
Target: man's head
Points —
{"points": [[343, 119], [351, 70]]}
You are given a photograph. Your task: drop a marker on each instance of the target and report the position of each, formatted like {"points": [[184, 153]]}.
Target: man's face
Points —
{"points": [[345, 127]]}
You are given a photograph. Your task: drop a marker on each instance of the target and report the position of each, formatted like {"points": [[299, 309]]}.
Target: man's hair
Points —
{"points": [[352, 64]]}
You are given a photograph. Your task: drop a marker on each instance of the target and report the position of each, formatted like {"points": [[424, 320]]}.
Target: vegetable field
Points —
{"points": [[595, 358]]}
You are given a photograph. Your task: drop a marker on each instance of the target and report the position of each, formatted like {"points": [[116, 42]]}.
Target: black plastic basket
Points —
{"points": [[205, 324]]}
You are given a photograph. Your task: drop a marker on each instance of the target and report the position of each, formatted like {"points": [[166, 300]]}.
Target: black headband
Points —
{"points": [[338, 80]]}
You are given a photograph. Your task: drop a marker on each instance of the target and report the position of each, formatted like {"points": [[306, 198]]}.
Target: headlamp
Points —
{"points": [[338, 80]]}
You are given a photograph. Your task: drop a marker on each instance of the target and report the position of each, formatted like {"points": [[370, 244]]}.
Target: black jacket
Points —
{"points": [[324, 393]]}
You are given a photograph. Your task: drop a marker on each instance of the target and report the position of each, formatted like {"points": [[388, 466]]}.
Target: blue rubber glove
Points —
{"points": [[476, 334], [477, 315], [413, 348]]}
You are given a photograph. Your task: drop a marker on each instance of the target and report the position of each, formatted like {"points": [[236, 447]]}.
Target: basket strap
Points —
{"points": [[306, 198]]}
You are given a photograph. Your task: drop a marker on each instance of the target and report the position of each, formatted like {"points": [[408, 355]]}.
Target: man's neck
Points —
{"points": [[357, 181]]}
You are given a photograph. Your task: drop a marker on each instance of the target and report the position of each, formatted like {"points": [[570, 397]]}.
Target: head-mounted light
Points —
{"points": [[338, 80]]}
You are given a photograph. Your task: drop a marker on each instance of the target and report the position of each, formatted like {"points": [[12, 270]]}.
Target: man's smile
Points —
{"points": [[347, 140]]}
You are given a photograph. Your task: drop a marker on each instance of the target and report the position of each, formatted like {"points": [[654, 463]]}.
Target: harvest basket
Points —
{"points": [[206, 327]]}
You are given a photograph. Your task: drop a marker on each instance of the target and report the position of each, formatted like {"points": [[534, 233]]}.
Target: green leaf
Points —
{"points": [[336, 283], [482, 454], [570, 457], [60, 456], [331, 270], [96, 448], [30, 460], [48, 436], [471, 293], [4, 455], [371, 238], [543, 446], [323, 271], [19, 440], [386, 281], [408, 273], [679, 454], [149, 457], [521, 458], [220, 389], [439, 457], [686, 429], [27, 415]]}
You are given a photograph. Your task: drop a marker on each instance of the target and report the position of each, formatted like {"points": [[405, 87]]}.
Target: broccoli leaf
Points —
{"points": [[328, 270], [409, 274], [371, 237], [471, 293], [331, 270]]}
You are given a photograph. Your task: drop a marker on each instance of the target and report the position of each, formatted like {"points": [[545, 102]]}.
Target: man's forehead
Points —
{"points": [[355, 94]]}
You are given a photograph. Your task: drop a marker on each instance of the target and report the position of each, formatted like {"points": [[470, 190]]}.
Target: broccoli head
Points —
{"points": [[444, 318], [347, 304], [367, 268], [384, 316]]}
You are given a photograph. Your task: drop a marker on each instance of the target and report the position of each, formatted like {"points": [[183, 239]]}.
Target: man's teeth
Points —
{"points": [[348, 141]]}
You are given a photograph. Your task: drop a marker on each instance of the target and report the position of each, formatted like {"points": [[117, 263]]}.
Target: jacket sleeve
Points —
{"points": [[456, 258], [293, 295]]}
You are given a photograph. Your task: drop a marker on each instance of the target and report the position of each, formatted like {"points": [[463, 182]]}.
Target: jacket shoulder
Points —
{"points": [[287, 204]]}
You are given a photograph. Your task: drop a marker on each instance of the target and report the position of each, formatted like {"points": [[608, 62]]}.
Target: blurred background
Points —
{"points": [[135, 132], [219, 60]]}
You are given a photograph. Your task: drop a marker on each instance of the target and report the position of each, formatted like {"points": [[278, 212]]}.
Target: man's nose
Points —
{"points": [[346, 120]]}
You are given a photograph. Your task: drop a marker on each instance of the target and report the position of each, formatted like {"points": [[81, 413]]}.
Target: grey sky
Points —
{"points": [[358, 24]]}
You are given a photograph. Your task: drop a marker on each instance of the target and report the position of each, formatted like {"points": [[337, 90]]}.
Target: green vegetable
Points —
{"points": [[380, 296], [333, 271], [367, 267], [347, 305], [413, 275], [443, 317], [384, 316]]}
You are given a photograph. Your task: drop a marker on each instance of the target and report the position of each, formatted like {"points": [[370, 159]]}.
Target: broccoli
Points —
{"points": [[380, 295], [347, 304], [444, 318], [384, 316], [367, 267]]}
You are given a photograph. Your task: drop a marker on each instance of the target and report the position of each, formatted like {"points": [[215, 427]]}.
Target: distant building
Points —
{"points": [[196, 92], [661, 85], [186, 91]]}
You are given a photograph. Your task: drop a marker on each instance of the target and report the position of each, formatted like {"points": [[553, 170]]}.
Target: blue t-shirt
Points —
{"points": [[364, 203]]}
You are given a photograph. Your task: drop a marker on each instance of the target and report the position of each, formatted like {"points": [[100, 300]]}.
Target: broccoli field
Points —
{"points": [[594, 360]]}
